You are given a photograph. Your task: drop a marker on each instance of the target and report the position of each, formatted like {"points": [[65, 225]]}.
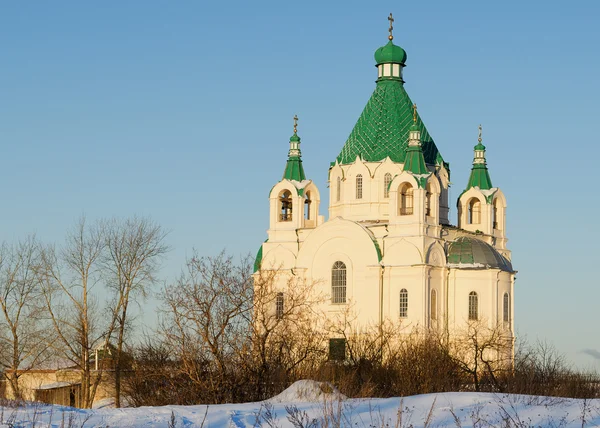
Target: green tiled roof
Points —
{"points": [[414, 160], [293, 167], [480, 177], [473, 253], [382, 128], [258, 258]]}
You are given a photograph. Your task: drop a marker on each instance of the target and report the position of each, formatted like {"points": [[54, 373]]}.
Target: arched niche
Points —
{"points": [[403, 253]]}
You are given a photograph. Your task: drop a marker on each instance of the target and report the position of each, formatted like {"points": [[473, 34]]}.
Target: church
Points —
{"points": [[388, 248]]}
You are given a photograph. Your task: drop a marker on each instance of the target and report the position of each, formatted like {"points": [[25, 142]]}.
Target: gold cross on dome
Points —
{"points": [[391, 19], [414, 113], [479, 139], [295, 123]]}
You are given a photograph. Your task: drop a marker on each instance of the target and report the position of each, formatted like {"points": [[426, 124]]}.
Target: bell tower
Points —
{"points": [[482, 207], [293, 205]]}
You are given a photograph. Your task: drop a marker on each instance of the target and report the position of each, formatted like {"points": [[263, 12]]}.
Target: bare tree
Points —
{"points": [[69, 275], [134, 249], [482, 352], [286, 337], [240, 336], [204, 318], [23, 333]]}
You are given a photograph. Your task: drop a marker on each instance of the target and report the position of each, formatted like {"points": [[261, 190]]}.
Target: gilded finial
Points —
{"points": [[295, 123], [479, 139], [414, 113], [391, 19]]}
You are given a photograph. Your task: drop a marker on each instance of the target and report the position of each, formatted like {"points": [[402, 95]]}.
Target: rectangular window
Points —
{"points": [[338, 283], [403, 303], [279, 306], [337, 349], [473, 306], [387, 179]]}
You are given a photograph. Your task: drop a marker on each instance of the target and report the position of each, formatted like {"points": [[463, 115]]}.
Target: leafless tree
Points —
{"points": [[204, 318], [286, 337], [23, 332], [133, 253], [70, 276], [482, 352]]}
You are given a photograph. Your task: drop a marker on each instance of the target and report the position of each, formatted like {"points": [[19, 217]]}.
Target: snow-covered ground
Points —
{"points": [[330, 409]]}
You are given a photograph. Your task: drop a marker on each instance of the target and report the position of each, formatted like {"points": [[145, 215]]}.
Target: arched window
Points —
{"points": [[338, 190], [506, 308], [428, 200], [433, 305], [307, 203], [387, 179], [473, 306], [338, 283], [279, 306], [495, 214], [286, 206], [359, 185], [403, 303], [474, 211], [405, 202]]}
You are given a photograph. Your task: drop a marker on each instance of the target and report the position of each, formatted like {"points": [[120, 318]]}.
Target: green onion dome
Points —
{"points": [[390, 53]]}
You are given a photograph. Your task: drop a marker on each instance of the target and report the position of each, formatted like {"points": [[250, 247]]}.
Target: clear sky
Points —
{"points": [[182, 111]]}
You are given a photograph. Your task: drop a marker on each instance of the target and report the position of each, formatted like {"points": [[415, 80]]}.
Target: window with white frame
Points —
{"points": [[403, 303], [279, 306], [473, 306], [506, 308], [359, 186], [387, 179], [338, 282]]}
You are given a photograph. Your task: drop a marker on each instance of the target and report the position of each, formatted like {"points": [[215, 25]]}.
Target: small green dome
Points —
{"points": [[390, 53], [294, 138], [479, 146], [473, 253]]}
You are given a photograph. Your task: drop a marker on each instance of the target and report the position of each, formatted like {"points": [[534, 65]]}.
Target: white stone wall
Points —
{"points": [[385, 252]]}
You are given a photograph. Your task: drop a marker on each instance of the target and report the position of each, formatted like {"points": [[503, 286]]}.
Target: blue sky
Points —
{"points": [[182, 111]]}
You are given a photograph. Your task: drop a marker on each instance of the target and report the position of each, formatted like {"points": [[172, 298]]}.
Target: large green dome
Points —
{"points": [[473, 253], [390, 53]]}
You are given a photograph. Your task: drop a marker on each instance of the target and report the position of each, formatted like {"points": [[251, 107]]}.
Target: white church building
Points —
{"points": [[388, 248]]}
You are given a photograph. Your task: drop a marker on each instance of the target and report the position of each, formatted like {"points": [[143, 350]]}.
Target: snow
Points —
{"points": [[488, 192], [467, 265], [304, 391], [447, 410], [300, 184], [56, 385], [419, 176]]}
